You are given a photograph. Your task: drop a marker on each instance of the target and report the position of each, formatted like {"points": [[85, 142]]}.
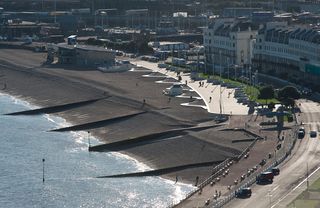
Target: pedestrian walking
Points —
{"points": [[210, 98]]}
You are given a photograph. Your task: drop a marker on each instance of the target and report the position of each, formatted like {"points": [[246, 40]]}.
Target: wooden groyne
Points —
{"points": [[56, 108], [97, 124], [128, 143], [162, 171]]}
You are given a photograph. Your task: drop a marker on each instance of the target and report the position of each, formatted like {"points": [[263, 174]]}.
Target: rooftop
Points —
{"points": [[84, 47]]}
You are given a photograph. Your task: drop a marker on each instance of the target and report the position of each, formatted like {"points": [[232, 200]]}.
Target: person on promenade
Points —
{"points": [[210, 98]]}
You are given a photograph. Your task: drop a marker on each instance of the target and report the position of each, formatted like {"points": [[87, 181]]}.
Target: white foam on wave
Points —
{"points": [[140, 166], [178, 194], [81, 138], [19, 101]]}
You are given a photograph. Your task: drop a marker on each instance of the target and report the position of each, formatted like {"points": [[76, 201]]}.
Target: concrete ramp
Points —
{"points": [[128, 143], [56, 108], [97, 124], [163, 171]]}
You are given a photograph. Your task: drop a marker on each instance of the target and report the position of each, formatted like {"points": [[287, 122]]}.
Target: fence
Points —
{"points": [[245, 151], [217, 170], [252, 179]]}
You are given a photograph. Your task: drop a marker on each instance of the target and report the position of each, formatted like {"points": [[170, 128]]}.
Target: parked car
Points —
{"points": [[244, 193], [162, 65], [174, 90]]}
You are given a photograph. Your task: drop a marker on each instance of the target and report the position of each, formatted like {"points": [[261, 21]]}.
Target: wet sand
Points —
{"points": [[27, 78]]}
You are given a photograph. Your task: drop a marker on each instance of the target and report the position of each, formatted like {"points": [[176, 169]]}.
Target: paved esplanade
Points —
{"points": [[229, 103], [288, 185]]}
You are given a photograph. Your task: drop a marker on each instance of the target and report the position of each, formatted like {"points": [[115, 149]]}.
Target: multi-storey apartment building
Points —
{"points": [[227, 42], [291, 52]]}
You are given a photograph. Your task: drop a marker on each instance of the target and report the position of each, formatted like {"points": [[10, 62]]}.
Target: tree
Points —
{"points": [[266, 93], [288, 102], [288, 92], [287, 95]]}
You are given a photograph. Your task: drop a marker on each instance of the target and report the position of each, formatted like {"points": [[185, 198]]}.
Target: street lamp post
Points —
{"points": [[43, 160], [55, 11], [213, 65], [228, 66], [220, 63], [102, 14]]}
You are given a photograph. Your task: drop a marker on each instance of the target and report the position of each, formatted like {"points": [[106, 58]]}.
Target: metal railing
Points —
{"points": [[217, 170], [252, 179]]}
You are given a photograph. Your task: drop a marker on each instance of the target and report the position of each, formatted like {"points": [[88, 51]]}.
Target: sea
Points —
{"points": [[70, 171]]}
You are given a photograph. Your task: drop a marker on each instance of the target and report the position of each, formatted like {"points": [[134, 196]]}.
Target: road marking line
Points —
{"points": [[295, 187], [275, 188]]}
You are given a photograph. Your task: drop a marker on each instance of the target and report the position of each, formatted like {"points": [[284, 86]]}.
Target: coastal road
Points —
{"points": [[304, 160]]}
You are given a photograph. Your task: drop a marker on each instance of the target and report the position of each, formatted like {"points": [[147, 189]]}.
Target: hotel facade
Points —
{"points": [[290, 52], [228, 42]]}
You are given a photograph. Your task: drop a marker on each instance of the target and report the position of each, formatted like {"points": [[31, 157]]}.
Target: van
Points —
{"points": [[265, 177]]}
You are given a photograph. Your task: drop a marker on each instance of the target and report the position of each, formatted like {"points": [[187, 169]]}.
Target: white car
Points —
{"points": [[174, 90]]}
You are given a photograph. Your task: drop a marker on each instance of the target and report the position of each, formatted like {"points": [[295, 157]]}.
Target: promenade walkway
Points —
{"points": [[229, 103]]}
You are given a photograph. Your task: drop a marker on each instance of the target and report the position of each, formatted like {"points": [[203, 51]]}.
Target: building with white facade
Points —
{"points": [[228, 41], [291, 52], [169, 46]]}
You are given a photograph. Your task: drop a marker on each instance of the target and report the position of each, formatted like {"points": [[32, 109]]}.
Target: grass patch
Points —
{"points": [[303, 201], [304, 204], [251, 91], [315, 186]]}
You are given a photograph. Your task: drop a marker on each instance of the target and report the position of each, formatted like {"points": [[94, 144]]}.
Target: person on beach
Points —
{"points": [[197, 180], [176, 179]]}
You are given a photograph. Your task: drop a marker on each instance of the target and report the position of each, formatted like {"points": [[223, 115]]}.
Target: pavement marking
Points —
{"points": [[275, 188], [295, 187]]}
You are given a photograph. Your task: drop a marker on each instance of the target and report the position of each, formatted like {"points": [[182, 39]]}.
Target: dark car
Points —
{"points": [[265, 177], [244, 193], [301, 134], [275, 171]]}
